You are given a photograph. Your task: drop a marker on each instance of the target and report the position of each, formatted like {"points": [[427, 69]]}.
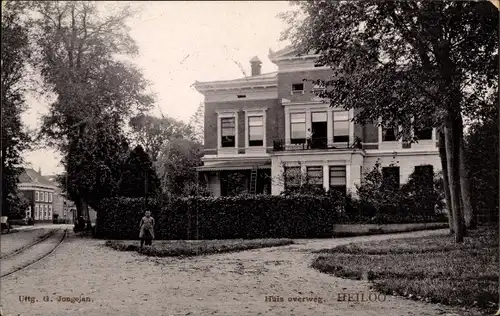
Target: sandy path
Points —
{"points": [[125, 283]]}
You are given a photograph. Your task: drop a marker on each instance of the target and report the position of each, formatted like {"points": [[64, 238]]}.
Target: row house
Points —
{"points": [[40, 193], [257, 128]]}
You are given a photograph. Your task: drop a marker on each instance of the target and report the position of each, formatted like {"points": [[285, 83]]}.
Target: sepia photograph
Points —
{"points": [[273, 158]]}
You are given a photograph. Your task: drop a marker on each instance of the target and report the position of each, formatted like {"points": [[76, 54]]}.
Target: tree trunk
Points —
{"points": [[469, 217], [452, 155], [82, 209], [446, 182]]}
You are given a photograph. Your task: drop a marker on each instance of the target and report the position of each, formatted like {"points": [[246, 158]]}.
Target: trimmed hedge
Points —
{"points": [[247, 217]]}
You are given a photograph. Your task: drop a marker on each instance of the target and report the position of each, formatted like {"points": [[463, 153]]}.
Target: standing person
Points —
{"points": [[309, 138], [147, 225]]}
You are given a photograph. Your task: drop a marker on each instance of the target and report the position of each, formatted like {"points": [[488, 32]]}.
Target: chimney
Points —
{"points": [[255, 63], [40, 170]]}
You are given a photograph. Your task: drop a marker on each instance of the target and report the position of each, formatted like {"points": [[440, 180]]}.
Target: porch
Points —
{"points": [[234, 178]]}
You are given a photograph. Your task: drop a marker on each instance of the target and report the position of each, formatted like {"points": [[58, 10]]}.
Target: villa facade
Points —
{"points": [[257, 128]]}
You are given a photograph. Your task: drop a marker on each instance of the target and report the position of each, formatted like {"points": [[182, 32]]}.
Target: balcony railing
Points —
{"points": [[316, 143]]}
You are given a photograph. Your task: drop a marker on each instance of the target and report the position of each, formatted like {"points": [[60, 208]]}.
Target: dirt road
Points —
{"points": [[108, 282]]}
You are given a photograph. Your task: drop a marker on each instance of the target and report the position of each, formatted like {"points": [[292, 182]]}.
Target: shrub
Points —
{"points": [[413, 202], [203, 247], [251, 216]]}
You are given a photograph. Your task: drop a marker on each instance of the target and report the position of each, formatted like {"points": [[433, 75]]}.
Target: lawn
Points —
{"points": [[175, 248], [432, 269]]}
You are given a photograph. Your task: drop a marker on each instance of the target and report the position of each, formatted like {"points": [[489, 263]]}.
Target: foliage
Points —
{"points": [[18, 204], [389, 58], [248, 216], [234, 183], [176, 166], [196, 189], [15, 139], [413, 267], [94, 165], [297, 182], [242, 216], [200, 248], [152, 133], [96, 92], [482, 165], [138, 175], [197, 122], [415, 201]]}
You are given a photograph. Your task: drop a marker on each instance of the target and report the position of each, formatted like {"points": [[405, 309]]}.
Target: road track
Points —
{"points": [[23, 248], [23, 251]]}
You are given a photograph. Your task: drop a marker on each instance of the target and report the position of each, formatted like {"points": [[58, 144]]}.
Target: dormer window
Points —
{"points": [[297, 88]]}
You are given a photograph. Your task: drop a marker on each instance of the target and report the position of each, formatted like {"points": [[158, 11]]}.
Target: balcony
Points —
{"points": [[318, 143]]}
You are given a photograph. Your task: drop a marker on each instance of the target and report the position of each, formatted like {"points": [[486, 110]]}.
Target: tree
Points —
{"points": [[96, 91], [94, 165], [409, 63], [139, 177], [177, 164], [197, 122], [482, 163], [153, 132], [15, 139]]}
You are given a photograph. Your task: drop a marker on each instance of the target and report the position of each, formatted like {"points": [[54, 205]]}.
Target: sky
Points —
{"points": [[183, 42]]}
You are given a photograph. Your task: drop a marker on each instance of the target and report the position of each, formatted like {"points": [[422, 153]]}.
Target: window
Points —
{"points": [[46, 196], [297, 88], [340, 126], [298, 128], [228, 132], [315, 176], [50, 197], [388, 133], [421, 132], [292, 178], [424, 177], [37, 209], [36, 196], [255, 131], [46, 210], [338, 179], [50, 211], [390, 178], [241, 96]]}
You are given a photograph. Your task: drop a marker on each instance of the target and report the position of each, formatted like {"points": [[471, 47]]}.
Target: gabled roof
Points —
{"points": [[30, 176]]}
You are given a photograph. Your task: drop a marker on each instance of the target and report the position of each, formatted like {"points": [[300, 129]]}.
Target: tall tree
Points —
{"points": [[153, 132], [197, 121], [177, 164], [15, 139], [78, 45], [139, 176], [94, 165], [421, 61]]}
